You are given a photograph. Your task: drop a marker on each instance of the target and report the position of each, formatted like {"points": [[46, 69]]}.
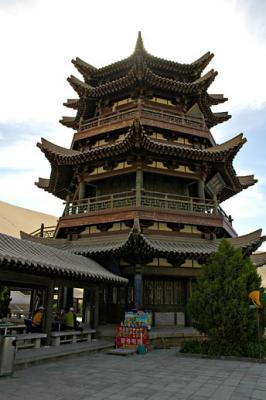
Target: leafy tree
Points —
{"points": [[219, 304]]}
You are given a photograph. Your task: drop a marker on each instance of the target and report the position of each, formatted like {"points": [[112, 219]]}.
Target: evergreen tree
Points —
{"points": [[219, 304]]}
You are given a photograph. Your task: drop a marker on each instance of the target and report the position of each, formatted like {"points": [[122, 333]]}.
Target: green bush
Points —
{"points": [[219, 305], [207, 347]]}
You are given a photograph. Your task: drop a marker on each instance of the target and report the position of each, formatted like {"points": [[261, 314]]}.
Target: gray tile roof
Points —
{"points": [[151, 243], [33, 257], [259, 259]]}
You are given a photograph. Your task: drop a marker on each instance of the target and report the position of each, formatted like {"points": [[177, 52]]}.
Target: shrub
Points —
{"points": [[219, 305]]}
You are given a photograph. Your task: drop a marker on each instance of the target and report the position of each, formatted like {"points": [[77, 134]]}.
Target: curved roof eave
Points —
{"points": [[156, 245], [193, 70], [51, 261]]}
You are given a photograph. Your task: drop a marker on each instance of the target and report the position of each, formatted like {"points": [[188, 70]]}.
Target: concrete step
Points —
{"points": [[29, 357]]}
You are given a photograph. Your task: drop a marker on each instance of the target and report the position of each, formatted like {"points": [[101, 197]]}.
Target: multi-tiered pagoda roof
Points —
{"points": [[136, 138], [146, 114], [142, 70]]}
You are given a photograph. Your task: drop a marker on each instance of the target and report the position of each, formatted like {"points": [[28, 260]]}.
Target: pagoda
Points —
{"points": [[144, 179]]}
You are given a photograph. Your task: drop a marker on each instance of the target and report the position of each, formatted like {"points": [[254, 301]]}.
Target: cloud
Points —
{"points": [[254, 13], [21, 163], [21, 191], [251, 157], [41, 41], [7, 4], [248, 211], [12, 132]]}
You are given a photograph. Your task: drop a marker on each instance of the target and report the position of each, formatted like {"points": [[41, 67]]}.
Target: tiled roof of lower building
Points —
{"points": [[27, 256], [154, 244]]}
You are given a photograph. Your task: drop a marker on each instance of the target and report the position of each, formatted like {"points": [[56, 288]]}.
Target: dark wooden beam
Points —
{"points": [[182, 271], [164, 271], [152, 214]]}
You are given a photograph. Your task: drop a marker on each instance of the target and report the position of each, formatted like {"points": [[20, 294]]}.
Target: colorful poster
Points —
{"points": [[130, 338], [143, 318]]}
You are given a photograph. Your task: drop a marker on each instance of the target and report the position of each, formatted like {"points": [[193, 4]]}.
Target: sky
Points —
{"points": [[40, 37]]}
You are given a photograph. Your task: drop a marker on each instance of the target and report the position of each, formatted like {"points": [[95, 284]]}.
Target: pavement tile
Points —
{"points": [[159, 375], [259, 394]]}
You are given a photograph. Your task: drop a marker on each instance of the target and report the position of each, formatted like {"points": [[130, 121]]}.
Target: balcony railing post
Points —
{"points": [[139, 185], [215, 204], [191, 204], [67, 209]]}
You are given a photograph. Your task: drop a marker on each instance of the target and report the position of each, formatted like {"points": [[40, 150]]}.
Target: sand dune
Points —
{"points": [[14, 219]]}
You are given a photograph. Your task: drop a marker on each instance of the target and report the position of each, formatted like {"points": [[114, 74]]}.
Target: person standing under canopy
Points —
{"points": [[69, 319], [37, 320]]}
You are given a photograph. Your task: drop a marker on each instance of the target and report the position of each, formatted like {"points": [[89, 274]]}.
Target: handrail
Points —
{"points": [[148, 198], [144, 111], [92, 204], [44, 231]]}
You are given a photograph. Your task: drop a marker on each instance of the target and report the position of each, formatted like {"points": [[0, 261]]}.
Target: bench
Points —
{"points": [[27, 340], [71, 336]]}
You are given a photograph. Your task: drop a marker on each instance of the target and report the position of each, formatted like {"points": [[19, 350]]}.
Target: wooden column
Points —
{"points": [[188, 295], [138, 287], [139, 185], [201, 191], [60, 298], [96, 308], [86, 310], [67, 298], [82, 191], [215, 208], [48, 311]]}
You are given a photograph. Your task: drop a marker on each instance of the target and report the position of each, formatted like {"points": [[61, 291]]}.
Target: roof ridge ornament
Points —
{"points": [[139, 43]]}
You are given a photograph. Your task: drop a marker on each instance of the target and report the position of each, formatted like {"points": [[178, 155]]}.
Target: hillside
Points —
{"points": [[14, 219]]}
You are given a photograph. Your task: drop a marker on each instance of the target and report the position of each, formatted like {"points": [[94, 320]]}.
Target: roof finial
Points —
{"points": [[139, 44]]}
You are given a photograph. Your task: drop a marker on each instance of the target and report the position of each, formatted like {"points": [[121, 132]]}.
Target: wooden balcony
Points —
{"points": [[146, 113], [150, 205], [148, 199], [44, 231], [99, 203]]}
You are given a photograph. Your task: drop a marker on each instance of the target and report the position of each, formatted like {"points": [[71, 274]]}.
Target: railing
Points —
{"points": [[142, 111], [173, 118], [44, 231], [176, 202], [92, 204], [96, 122], [149, 199], [166, 201]]}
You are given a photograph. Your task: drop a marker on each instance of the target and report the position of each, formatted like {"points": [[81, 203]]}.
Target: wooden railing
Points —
{"points": [[144, 111], [100, 121], [176, 202], [44, 231], [147, 199], [92, 204]]}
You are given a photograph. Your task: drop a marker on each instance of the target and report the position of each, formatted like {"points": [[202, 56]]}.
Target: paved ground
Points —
{"points": [[157, 375]]}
